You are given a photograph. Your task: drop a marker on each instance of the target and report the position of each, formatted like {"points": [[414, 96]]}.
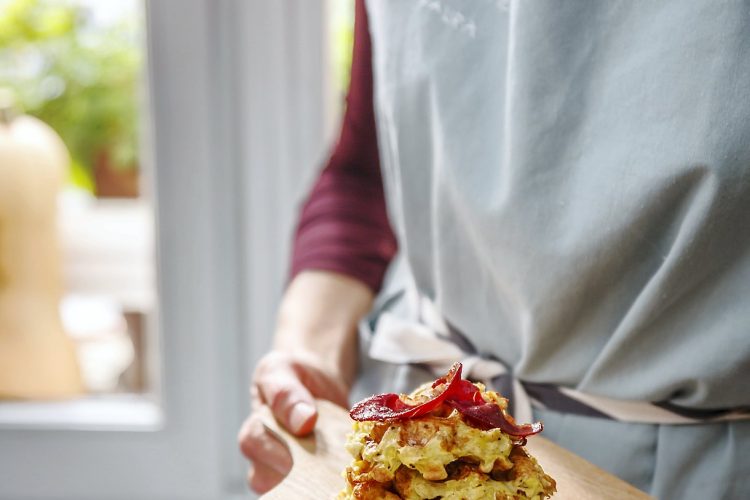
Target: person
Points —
{"points": [[569, 187]]}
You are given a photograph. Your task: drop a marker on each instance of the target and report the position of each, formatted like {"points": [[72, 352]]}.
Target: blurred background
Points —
{"points": [[152, 159]]}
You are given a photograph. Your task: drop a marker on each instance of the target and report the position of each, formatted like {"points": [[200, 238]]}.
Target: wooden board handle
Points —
{"points": [[318, 459]]}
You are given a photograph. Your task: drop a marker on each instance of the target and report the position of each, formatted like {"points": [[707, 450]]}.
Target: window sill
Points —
{"points": [[122, 412]]}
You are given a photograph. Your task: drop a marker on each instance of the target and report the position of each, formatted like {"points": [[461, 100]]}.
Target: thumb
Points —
{"points": [[290, 401]]}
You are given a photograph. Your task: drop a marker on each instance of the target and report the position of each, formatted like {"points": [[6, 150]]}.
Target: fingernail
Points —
{"points": [[300, 414]]}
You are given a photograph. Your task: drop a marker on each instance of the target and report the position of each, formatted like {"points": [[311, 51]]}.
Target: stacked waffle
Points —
{"points": [[433, 444]]}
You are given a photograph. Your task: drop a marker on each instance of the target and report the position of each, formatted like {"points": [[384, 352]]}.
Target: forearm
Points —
{"points": [[318, 318], [343, 242]]}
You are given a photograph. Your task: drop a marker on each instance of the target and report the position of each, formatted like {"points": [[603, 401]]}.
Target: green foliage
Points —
{"points": [[343, 39], [80, 78]]}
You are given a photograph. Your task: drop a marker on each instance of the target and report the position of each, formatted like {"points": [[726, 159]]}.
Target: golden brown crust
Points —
{"points": [[372, 490], [440, 456]]}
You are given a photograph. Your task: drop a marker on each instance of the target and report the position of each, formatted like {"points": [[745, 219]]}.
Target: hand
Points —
{"points": [[288, 385], [316, 357]]}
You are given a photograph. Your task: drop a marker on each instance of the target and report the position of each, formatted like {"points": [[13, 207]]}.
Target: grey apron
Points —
{"points": [[570, 186]]}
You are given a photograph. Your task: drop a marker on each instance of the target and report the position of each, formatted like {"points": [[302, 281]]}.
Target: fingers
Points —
{"points": [[321, 384], [258, 444], [271, 459], [289, 388], [262, 479], [289, 400]]}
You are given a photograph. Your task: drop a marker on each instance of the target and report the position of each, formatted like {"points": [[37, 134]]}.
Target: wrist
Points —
{"points": [[319, 316]]}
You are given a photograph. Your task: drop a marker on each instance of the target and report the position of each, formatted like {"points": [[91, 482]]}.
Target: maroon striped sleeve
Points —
{"points": [[343, 226]]}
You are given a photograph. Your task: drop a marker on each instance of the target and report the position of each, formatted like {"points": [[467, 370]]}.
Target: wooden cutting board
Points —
{"points": [[320, 458]]}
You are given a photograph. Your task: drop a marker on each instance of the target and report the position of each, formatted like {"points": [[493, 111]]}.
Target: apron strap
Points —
{"points": [[431, 342]]}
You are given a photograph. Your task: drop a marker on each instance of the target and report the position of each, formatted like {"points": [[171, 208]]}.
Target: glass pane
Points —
{"points": [[77, 285]]}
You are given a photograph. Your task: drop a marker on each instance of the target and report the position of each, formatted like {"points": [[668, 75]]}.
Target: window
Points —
{"points": [[77, 67], [236, 119]]}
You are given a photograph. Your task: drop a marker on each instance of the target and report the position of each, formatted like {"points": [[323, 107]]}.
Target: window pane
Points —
{"points": [[77, 293]]}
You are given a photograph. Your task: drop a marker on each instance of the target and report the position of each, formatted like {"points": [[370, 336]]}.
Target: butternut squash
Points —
{"points": [[37, 358]]}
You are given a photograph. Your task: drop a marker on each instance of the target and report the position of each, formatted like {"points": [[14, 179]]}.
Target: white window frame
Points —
{"points": [[240, 113]]}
